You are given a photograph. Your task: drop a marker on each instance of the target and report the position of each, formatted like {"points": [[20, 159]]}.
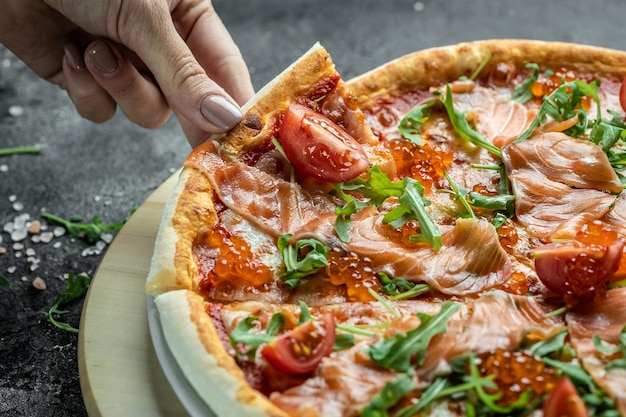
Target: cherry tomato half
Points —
{"points": [[564, 401], [622, 94], [579, 269], [301, 350], [318, 147]]}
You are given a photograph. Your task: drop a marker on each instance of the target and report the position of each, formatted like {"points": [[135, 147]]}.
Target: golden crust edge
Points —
{"points": [[198, 350], [445, 63]]}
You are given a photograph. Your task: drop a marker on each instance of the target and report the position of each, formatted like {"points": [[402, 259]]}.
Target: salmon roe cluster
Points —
{"points": [[545, 86], [516, 373], [426, 163], [235, 263], [354, 272]]}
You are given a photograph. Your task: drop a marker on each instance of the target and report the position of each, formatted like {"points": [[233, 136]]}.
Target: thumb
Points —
{"points": [[184, 82]]}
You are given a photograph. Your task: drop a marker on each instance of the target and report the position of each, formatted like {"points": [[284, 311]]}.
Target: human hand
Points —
{"points": [[143, 56]]}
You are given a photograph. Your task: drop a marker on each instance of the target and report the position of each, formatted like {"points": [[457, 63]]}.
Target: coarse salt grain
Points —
{"points": [[56, 245], [58, 231], [11, 269], [34, 267], [18, 206], [30, 252], [34, 227], [16, 111], [39, 283], [46, 237], [35, 239], [18, 246], [12, 198], [4, 168], [19, 234]]}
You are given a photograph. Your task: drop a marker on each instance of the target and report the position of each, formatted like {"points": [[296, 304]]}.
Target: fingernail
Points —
{"points": [[220, 112], [103, 58], [74, 57]]}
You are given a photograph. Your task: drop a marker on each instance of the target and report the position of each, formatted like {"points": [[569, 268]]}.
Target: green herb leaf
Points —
{"points": [[342, 222], [501, 202], [459, 194], [413, 206], [4, 282], [242, 334], [392, 392], [377, 188], [499, 220], [77, 286], [20, 150], [401, 351], [305, 314], [304, 258], [554, 344], [522, 93], [565, 103], [89, 231], [462, 127], [343, 341], [410, 124], [619, 363]]}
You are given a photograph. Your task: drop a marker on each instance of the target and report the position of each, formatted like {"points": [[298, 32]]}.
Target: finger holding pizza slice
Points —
{"points": [[415, 241]]}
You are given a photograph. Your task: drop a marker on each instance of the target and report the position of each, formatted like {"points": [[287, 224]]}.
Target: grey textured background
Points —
{"points": [[105, 170]]}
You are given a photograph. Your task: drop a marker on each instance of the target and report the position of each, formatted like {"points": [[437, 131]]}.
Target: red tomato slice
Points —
{"points": [[622, 94], [564, 401], [318, 147], [580, 268], [301, 350]]}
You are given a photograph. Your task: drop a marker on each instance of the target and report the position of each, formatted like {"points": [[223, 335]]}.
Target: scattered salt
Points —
{"points": [[34, 267], [18, 206], [16, 111], [19, 234], [58, 231], [39, 283], [17, 254], [4, 168], [11, 269], [34, 227], [12, 198], [30, 252], [18, 246], [35, 239], [107, 237], [24, 279], [46, 237], [56, 245]]}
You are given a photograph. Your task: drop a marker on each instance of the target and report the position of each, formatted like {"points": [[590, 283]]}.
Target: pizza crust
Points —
{"points": [[435, 66], [199, 353]]}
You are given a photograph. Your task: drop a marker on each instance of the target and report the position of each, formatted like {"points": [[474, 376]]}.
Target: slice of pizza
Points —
{"points": [[437, 236]]}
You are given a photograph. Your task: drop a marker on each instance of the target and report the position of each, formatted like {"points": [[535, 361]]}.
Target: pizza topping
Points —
{"points": [[318, 147], [301, 350], [580, 269], [407, 350], [564, 400], [304, 258]]}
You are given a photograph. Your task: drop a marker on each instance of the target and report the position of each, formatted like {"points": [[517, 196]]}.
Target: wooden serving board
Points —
{"points": [[120, 374]]}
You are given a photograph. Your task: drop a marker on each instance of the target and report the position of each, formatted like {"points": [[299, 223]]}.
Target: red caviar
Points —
{"points": [[353, 271]]}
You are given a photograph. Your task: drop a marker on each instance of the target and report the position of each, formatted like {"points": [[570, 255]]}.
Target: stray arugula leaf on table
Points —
{"points": [[4, 282], [20, 150], [77, 286], [91, 231]]}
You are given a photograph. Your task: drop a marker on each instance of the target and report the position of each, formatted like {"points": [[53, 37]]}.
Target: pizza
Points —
{"points": [[442, 235]]}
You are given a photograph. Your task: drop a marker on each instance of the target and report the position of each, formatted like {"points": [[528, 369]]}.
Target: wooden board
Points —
{"points": [[119, 370]]}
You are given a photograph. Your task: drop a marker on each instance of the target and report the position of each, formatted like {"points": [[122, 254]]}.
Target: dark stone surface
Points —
{"points": [[105, 170]]}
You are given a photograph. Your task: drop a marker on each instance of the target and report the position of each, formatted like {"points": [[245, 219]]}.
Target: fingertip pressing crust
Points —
{"points": [[192, 339]]}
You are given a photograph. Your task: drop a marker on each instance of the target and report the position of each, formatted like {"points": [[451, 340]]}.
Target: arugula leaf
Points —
{"points": [[89, 231], [499, 220], [501, 202], [4, 282], [77, 286], [619, 363], [462, 127], [398, 352], [305, 314], [565, 103], [400, 288], [410, 124], [482, 65], [20, 150], [304, 258], [458, 194], [413, 206], [554, 344], [523, 92], [343, 341], [242, 334], [377, 188], [392, 392]]}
